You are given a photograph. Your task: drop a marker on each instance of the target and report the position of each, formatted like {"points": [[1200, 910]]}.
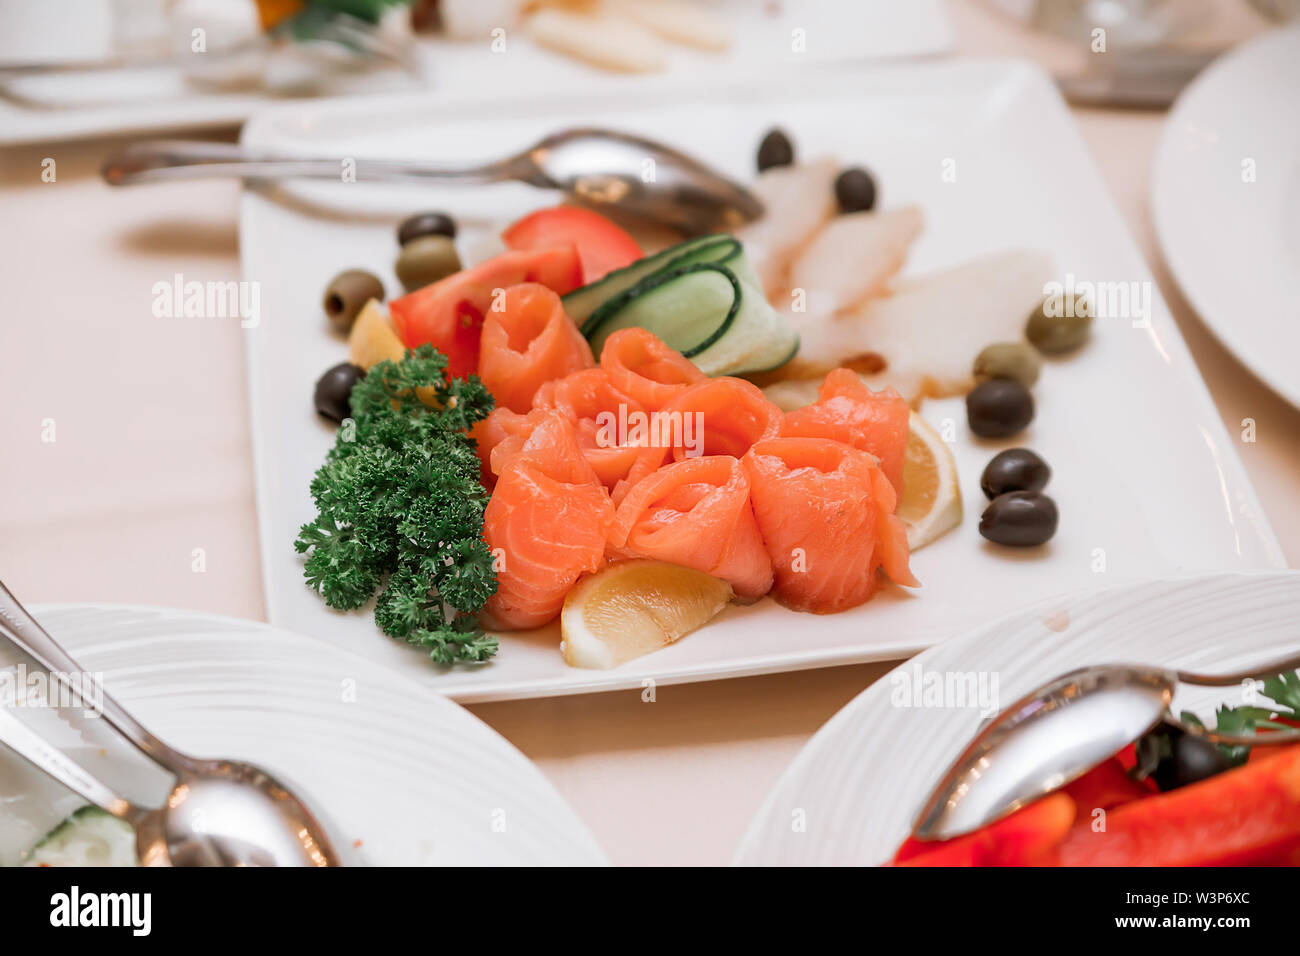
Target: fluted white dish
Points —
{"points": [[407, 776], [851, 794]]}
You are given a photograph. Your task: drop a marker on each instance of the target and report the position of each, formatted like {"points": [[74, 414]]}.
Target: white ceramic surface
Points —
{"points": [[1226, 204], [851, 794], [141, 101], [416, 779], [1146, 478]]}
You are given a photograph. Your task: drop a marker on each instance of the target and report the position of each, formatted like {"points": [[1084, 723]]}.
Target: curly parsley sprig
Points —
{"points": [[401, 509], [1283, 691]]}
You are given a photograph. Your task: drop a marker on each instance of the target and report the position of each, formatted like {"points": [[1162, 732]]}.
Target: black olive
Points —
{"points": [[1153, 751], [347, 293], [426, 224], [855, 190], [999, 408], [775, 150], [1016, 469], [1174, 758], [1196, 759], [333, 394], [1019, 519]]}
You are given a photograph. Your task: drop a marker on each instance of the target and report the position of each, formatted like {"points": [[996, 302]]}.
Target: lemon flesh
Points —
{"points": [[630, 608]]}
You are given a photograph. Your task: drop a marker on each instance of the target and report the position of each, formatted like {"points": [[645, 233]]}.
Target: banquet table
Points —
{"points": [[151, 459]]}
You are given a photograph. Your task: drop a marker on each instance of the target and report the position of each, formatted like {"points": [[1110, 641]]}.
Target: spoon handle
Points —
{"points": [[170, 160], [45, 757], [1270, 739], [21, 629], [1258, 672]]}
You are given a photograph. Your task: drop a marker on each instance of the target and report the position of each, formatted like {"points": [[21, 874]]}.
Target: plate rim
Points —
{"points": [[1164, 200], [1031, 77]]}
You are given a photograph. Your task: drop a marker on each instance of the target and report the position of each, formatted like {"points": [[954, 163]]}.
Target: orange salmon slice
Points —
{"points": [[600, 414], [720, 416], [847, 411], [526, 344], [643, 366], [825, 512], [546, 524], [696, 513]]}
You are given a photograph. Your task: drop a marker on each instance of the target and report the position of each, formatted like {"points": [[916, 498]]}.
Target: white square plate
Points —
{"points": [[1145, 476]]}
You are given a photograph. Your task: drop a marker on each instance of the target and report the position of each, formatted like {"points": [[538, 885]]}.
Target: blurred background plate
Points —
{"points": [[1226, 204], [763, 39], [858, 784], [410, 777]]}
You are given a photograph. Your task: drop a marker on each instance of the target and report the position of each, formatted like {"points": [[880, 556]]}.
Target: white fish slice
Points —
{"points": [[798, 201], [678, 21], [927, 332], [602, 39], [853, 257]]}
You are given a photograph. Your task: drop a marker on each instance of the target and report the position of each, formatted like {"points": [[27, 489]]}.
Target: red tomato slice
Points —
{"points": [[602, 246], [449, 313]]}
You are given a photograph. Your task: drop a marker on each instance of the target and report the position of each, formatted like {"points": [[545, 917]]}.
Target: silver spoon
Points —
{"points": [[218, 812], [599, 168], [1062, 730]]}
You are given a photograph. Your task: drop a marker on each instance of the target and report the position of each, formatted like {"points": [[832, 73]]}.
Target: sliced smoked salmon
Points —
{"points": [[546, 523], [612, 427], [696, 513], [847, 410], [718, 416], [502, 429], [529, 342], [825, 511], [640, 364]]}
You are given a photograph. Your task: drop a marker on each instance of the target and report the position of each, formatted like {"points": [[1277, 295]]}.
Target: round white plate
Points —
{"points": [[412, 776], [851, 794], [1226, 204]]}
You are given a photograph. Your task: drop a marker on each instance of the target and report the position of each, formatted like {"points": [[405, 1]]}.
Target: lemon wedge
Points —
{"points": [[631, 608], [373, 338], [931, 504]]}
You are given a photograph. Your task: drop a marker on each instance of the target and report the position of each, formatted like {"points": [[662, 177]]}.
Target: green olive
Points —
{"points": [[347, 293], [1060, 324], [1013, 360], [426, 259]]}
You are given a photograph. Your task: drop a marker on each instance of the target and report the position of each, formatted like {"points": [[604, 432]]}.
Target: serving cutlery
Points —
{"points": [[601, 168], [1062, 730], [218, 812]]}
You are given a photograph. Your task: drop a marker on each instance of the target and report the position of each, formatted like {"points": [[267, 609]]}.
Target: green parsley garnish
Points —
{"points": [[401, 509], [1283, 690]]}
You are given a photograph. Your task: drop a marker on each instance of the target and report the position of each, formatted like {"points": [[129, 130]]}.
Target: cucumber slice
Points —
{"points": [[90, 837], [690, 307], [703, 310], [759, 339], [701, 297], [581, 303]]}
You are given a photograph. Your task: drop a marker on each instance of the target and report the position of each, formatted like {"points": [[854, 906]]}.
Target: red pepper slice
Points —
{"points": [[1025, 838], [1249, 815]]}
